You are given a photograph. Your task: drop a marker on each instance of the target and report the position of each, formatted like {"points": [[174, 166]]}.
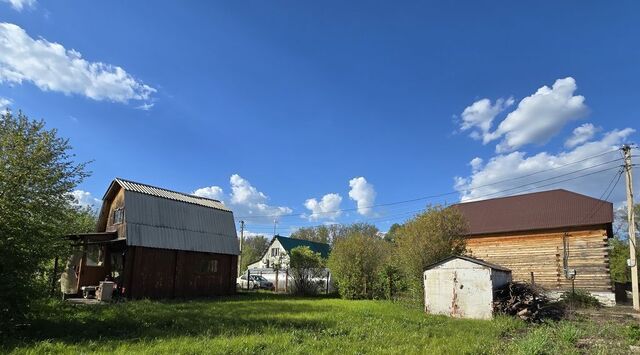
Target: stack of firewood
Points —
{"points": [[526, 302]]}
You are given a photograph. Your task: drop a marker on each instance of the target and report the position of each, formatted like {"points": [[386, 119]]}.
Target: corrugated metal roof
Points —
{"points": [[535, 211], [470, 259], [169, 194], [181, 239], [161, 222]]}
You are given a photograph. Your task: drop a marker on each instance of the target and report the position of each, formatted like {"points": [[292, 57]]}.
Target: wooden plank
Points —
{"points": [[542, 253]]}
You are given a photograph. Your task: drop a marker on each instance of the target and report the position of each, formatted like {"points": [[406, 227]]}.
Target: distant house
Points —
{"points": [[279, 249], [278, 252], [553, 238], [158, 243]]}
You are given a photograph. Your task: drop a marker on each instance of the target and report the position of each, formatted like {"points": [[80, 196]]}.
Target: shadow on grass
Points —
{"points": [[243, 314]]}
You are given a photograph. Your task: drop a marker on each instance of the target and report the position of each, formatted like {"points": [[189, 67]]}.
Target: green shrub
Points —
{"points": [[579, 299], [429, 237], [632, 333], [305, 267], [38, 173], [390, 282], [356, 262]]}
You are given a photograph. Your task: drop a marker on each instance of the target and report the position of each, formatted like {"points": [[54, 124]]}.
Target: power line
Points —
{"points": [[441, 194], [436, 195], [551, 178], [521, 188], [599, 206]]}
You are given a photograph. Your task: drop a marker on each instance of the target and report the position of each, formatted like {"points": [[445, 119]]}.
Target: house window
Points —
{"points": [[274, 251], [208, 266], [95, 255], [118, 215]]}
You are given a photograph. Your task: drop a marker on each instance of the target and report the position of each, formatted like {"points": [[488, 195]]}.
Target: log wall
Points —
{"points": [[543, 254]]}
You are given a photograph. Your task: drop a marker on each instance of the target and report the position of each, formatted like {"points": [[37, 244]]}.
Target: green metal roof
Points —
{"points": [[290, 243]]}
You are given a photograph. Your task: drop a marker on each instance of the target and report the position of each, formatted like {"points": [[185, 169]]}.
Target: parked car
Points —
{"points": [[255, 282]]}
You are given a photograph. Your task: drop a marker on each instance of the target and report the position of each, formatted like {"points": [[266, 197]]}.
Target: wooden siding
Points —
{"points": [[163, 273], [92, 275], [543, 254], [105, 220]]}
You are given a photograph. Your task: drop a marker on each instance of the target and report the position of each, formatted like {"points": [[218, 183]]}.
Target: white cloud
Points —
{"points": [[327, 208], [517, 164], [86, 199], [4, 102], [476, 164], [250, 234], [539, 117], [4, 105], [52, 67], [146, 106], [580, 135], [245, 200], [19, 5], [363, 193], [479, 116], [213, 192]]}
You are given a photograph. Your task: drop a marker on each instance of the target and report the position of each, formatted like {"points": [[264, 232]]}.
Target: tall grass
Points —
{"points": [[266, 323]]}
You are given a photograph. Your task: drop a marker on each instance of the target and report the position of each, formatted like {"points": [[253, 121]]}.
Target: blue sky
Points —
{"points": [[320, 110]]}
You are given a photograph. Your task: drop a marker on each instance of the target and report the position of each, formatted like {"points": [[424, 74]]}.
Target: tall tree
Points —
{"points": [[320, 234], [428, 237], [252, 250], [331, 233], [37, 175], [392, 233]]}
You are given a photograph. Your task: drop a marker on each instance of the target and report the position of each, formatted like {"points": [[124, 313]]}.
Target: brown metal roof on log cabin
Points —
{"points": [[535, 211]]}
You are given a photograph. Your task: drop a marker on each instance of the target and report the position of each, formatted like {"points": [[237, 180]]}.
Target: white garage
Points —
{"points": [[461, 286]]}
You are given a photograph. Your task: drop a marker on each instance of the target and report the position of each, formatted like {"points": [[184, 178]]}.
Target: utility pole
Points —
{"points": [[633, 262], [241, 243], [275, 226]]}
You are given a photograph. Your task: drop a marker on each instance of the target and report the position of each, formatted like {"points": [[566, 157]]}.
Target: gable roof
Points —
{"points": [[290, 243], [129, 185], [535, 211], [165, 219], [470, 259]]}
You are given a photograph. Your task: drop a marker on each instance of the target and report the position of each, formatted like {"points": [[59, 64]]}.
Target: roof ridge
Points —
{"points": [[303, 240], [168, 190], [525, 194]]}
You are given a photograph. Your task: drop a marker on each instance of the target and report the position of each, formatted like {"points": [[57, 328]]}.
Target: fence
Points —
{"points": [[285, 280]]}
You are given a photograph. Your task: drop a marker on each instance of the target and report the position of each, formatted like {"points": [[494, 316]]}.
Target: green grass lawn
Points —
{"points": [[265, 323]]}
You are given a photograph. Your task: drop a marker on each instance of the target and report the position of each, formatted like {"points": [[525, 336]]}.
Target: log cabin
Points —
{"points": [[556, 239], [158, 243]]}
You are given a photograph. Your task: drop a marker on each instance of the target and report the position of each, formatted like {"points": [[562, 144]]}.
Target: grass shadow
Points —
{"points": [[232, 315]]}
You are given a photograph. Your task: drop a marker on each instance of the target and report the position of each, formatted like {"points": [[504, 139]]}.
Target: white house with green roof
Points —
{"points": [[278, 252]]}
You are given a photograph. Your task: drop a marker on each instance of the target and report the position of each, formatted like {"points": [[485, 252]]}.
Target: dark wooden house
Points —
{"points": [[158, 243], [545, 237]]}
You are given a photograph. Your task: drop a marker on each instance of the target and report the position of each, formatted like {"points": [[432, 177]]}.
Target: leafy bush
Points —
{"points": [[579, 299], [427, 238], [37, 177], [356, 262], [391, 282], [305, 267]]}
